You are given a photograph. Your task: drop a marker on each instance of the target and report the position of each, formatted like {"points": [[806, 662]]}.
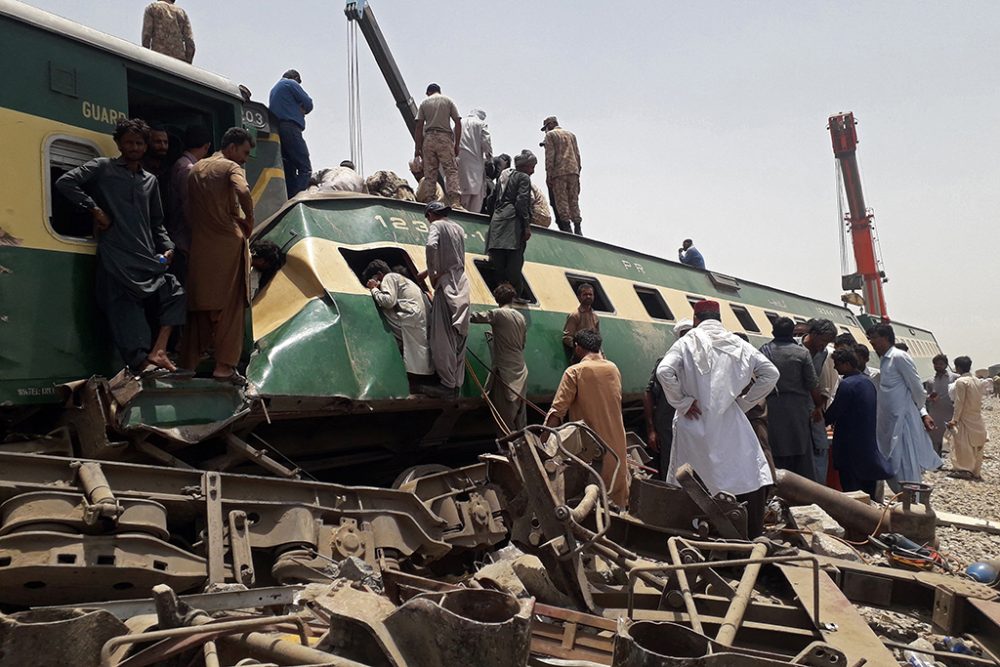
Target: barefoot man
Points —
{"points": [[133, 249]]}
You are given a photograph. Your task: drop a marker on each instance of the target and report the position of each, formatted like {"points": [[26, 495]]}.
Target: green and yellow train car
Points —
{"points": [[64, 88], [323, 349]]}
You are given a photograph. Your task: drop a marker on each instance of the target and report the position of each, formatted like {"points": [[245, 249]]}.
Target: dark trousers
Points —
{"points": [[294, 157], [130, 331], [848, 482], [507, 266]]}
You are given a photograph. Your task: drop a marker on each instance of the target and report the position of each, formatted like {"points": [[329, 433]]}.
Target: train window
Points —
{"points": [[771, 317], [800, 320], [397, 259], [653, 301], [490, 278], [65, 219], [692, 299], [601, 301], [745, 318]]}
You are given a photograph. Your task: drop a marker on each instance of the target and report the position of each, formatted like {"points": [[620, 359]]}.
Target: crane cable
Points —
{"points": [[354, 98]]}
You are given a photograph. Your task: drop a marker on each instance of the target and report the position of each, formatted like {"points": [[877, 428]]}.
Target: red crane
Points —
{"points": [[869, 276]]}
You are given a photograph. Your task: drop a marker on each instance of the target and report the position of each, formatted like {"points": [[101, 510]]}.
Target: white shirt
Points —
{"points": [[713, 366]]}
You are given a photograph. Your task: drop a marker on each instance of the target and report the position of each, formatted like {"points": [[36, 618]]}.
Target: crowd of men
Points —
{"points": [[197, 275]]}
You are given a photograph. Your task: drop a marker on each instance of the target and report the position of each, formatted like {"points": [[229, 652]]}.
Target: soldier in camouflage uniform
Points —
{"points": [[562, 173], [167, 30], [388, 184], [436, 143]]}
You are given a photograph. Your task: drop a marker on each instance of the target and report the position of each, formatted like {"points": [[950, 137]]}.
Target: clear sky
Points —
{"points": [[694, 119]]}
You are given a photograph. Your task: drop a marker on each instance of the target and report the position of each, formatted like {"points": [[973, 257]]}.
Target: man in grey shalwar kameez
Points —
{"points": [[939, 404], [509, 374], [450, 307], [133, 249], [404, 305], [510, 225], [791, 406]]}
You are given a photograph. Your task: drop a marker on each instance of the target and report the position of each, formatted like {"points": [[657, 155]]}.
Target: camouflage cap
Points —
{"points": [[550, 119]]}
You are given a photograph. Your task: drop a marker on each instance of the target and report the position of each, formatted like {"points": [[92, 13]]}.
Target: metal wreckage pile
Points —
{"points": [[516, 560]]}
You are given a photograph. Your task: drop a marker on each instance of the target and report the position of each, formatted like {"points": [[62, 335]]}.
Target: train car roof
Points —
{"points": [[306, 198], [63, 27]]}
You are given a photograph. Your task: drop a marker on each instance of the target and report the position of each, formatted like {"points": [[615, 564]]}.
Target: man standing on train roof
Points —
{"points": [[167, 30], [582, 318], [510, 224], [691, 256], [450, 309], [817, 341], [903, 422], [508, 374], [197, 144], [290, 104], [133, 248], [405, 308], [474, 150], [712, 378], [591, 392], [939, 404], [437, 144], [562, 173], [219, 272], [969, 431]]}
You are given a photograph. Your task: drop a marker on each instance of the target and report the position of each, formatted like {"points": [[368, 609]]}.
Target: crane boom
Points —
{"points": [[361, 11], [844, 135]]}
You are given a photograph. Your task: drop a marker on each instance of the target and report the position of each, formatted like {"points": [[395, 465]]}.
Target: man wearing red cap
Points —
{"points": [[712, 378]]}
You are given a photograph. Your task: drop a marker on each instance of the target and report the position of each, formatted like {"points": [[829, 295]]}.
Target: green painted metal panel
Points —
{"points": [[98, 78], [51, 330]]}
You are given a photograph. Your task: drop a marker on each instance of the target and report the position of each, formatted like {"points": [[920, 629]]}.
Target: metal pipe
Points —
{"points": [[274, 648], [635, 572], [591, 495], [738, 607], [682, 583], [944, 655], [848, 512], [215, 629], [211, 654]]}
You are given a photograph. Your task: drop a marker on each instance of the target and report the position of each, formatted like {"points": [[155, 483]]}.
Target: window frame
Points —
{"points": [[49, 186], [481, 262], [737, 309], [344, 250], [573, 279], [640, 289]]}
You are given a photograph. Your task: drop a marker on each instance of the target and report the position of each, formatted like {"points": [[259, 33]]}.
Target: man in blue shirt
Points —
{"points": [[290, 104], [689, 255]]}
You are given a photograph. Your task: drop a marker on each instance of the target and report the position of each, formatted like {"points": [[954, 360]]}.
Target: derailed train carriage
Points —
{"points": [[328, 388]]}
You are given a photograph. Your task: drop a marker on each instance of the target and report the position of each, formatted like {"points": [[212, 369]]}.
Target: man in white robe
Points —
{"points": [[712, 378], [404, 306], [903, 422], [450, 309], [474, 150], [508, 374]]}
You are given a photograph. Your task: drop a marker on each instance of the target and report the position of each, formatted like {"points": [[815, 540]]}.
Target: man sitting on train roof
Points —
{"points": [[688, 254], [133, 249]]}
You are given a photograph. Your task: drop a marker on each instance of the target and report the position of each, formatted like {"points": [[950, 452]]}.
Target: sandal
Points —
{"points": [[233, 378]]}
